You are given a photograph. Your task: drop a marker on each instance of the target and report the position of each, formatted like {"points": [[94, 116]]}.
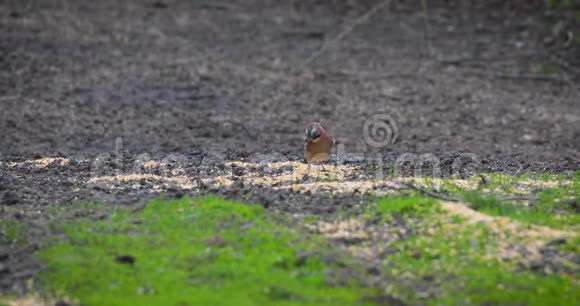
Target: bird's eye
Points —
{"points": [[312, 132]]}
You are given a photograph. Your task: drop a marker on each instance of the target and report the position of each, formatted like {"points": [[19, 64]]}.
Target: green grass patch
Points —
{"points": [[555, 206], [449, 261], [546, 69], [386, 209], [200, 251], [414, 206], [571, 245], [12, 232], [545, 212]]}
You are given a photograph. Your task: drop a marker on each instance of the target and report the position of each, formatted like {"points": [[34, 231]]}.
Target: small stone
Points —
{"points": [[159, 5], [216, 241], [558, 241], [374, 270], [10, 198], [125, 259], [303, 256]]}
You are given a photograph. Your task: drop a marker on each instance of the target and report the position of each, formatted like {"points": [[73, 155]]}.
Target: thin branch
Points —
{"points": [[518, 198], [139, 207], [426, 26], [430, 193], [532, 77], [484, 181], [450, 199], [373, 75], [345, 32], [573, 158]]}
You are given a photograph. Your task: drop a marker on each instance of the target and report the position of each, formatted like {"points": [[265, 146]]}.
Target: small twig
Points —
{"points": [[469, 59], [216, 5], [573, 158], [442, 197], [345, 32], [483, 182], [429, 193], [532, 77], [426, 26], [139, 207], [518, 198], [455, 61], [303, 33], [373, 75]]}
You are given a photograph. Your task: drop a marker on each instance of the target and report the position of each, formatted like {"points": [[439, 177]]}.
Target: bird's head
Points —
{"points": [[313, 132]]}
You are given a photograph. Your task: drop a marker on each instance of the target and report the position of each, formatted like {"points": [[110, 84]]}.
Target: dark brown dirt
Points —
{"points": [[216, 81]]}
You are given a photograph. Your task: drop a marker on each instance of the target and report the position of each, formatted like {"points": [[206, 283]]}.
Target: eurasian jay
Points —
{"points": [[318, 143]]}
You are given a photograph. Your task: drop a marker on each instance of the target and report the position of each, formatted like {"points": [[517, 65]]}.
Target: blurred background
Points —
{"points": [[497, 78]]}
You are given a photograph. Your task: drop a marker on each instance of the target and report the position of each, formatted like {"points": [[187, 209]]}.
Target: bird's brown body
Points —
{"points": [[317, 148]]}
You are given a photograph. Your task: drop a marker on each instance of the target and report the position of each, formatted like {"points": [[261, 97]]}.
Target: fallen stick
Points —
{"points": [[345, 32], [430, 193]]}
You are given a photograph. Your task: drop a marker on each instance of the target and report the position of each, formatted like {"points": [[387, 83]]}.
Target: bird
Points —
{"points": [[318, 144]]}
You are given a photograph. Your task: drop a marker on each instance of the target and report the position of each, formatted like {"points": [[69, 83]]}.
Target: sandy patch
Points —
{"points": [[350, 229], [514, 240], [156, 180], [502, 224], [298, 177], [40, 163]]}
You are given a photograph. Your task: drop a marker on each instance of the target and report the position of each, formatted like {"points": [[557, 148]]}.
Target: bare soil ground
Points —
{"points": [[197, 84]]}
